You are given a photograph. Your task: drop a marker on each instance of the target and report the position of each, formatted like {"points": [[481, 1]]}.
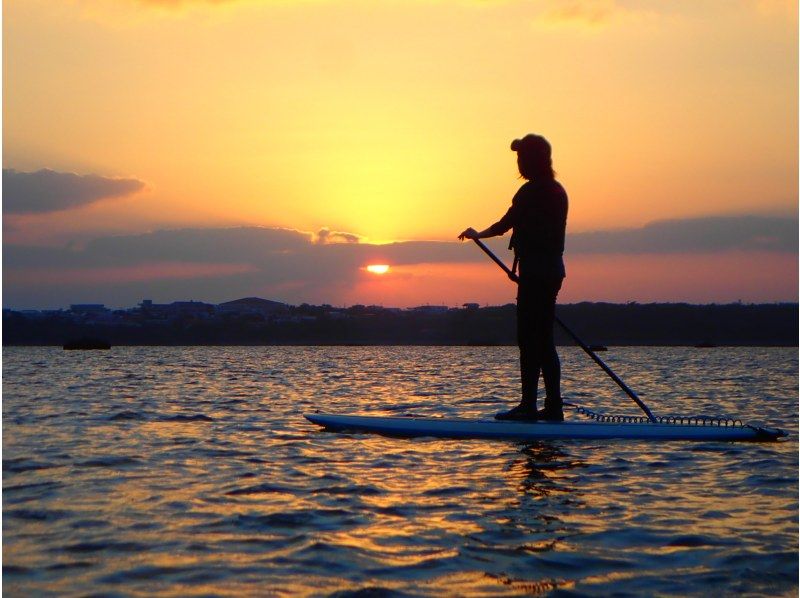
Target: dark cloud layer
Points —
{"points": [[273, 248], [265, 247], [50, 191], [709, 234], [269, 248], [288, 264]]}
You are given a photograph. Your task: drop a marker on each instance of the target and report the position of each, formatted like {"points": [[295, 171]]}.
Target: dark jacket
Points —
{"points": [[538, 215]]}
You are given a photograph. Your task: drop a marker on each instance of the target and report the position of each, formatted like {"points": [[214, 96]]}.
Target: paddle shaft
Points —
{"points": [[574, 336]]}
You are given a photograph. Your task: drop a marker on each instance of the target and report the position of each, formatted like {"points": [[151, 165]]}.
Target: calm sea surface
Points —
{"points": [[191, 471]]}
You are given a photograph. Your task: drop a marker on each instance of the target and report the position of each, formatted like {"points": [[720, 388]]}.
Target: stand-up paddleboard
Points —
{"points": [[513, 430]]}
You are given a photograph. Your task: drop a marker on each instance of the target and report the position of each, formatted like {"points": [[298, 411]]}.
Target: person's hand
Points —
{"points": [[470, 233]]}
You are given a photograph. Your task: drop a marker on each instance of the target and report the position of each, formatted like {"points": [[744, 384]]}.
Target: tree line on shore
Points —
{"points": [[596, 323]]}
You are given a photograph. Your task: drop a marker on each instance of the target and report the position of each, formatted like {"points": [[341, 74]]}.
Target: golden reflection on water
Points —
{"points": [[192, 472]]}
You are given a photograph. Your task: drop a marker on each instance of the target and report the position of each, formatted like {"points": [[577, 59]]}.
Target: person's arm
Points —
{"points": [[498, 228]]}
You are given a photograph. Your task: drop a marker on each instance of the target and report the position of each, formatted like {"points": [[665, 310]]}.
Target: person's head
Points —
{"points": [[534, 157]]}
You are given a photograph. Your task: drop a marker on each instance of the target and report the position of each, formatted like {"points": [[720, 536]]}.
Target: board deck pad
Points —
{"points": [[414, 426]]}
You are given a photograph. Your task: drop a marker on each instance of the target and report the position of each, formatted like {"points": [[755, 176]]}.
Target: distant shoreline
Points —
{"points": [[365, 345], [255, 322]]}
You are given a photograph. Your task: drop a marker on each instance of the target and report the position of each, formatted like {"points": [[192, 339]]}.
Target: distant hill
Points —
{"points": [[256, 304]]}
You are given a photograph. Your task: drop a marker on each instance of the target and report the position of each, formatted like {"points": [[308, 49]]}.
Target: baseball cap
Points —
{"points": [[531, 144]]}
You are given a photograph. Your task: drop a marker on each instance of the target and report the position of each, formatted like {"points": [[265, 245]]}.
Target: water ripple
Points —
{"points": [[190, 471]]}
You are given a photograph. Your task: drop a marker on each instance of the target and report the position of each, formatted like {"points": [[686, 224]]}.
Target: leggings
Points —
{"points": [[536, 311]]}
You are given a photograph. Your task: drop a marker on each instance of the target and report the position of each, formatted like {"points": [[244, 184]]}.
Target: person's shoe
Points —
{"points": [[550, 415], [519, 413]]}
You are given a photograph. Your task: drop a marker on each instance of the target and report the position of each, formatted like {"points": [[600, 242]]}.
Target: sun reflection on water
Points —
{"points": [[191, 471]]}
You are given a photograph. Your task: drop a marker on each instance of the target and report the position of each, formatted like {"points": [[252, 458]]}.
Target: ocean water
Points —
{"points": [[191, 471]]}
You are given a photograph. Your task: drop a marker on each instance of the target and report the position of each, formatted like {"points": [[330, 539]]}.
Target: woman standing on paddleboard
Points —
{"points": [[538, 217]]}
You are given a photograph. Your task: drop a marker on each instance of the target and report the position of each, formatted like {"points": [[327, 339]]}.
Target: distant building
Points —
{"points": [[430, 309], [252, 305], [190, 308], [176, 309], [153, 310], [294, 319], [471, 306], [89, 308]]}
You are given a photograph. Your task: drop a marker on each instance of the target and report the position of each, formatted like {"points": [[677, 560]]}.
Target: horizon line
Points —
{"points": [[381, 306]]}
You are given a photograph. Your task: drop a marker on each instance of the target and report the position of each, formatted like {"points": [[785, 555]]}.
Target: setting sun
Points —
{"points": [[378, 268]]}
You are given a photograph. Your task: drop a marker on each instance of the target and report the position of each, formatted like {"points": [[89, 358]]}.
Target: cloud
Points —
{"points": [[779, 8], [276, 250], [330, 236], [180, 3], [280, 251], [588, 13], [50, 191], [592, 12], [708, 234], [225, 263], [283, 264]]}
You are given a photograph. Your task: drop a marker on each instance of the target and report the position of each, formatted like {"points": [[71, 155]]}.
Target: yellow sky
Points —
{"points": [[392, 119]]}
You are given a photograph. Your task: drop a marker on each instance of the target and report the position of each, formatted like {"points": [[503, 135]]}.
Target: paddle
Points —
{"points": [[574, 336]]}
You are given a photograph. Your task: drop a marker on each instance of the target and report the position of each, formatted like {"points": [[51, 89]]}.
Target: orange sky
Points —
{"points": [[391, 121]]}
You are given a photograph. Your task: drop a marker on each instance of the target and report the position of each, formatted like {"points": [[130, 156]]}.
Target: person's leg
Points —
{"points": [[551, 372], [529, 355], [551, 366], [529, 363]]}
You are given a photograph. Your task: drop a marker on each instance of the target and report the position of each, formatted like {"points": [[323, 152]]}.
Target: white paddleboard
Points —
{"points": [[513, 430]]}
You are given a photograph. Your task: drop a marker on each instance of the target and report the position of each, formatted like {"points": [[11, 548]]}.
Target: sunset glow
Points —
{"points": [[351, 123]]}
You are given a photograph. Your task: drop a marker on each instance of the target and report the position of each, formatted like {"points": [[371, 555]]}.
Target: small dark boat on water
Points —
{"points": [[86, 344], [596, 348], [705, 345]]}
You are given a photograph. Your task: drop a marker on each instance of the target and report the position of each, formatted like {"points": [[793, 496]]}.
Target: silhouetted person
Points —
{"points": [[538, 215]]}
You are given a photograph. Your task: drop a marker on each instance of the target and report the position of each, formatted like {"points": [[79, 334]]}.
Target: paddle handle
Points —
{"points": [[575, 337]]}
